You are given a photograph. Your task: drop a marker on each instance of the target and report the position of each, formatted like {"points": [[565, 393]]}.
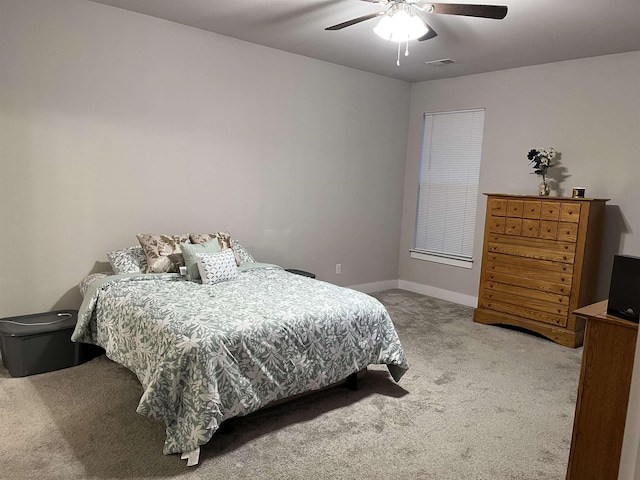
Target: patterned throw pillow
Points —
{"points": [[163, 252], [217, 267], [128, 260], [224, 239], [242, 253], [189, 251]]}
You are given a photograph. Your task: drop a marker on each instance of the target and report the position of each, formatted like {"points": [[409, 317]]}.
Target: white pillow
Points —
{"points": [[217, 267]]}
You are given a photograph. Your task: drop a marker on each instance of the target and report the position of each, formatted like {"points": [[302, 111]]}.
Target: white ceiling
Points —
{"points": [[533, 32]]}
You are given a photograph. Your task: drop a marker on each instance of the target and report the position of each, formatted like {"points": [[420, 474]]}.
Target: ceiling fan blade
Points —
{"points": [[430, 34], [421, 13], [354, 21], [497, 12]]}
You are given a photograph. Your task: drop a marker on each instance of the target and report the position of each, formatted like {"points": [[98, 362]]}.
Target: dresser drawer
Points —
{"points": [[496, 224], [498, 207], [520, 311], [535, 304], [529, 252], [570, 212], [514, 208], [513, 226], [530, 228], [531, 209], [568, 232], [527, 293], [529, 273], [533, 242], [548, 229], [550, 211], [526, 282], [529, 263]]}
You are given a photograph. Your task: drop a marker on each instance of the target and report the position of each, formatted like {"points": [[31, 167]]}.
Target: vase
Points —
{"points": [[544, 189]]}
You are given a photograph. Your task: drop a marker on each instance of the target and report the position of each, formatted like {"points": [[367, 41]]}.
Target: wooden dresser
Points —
{"points": [[603, 395], [539, 263]]}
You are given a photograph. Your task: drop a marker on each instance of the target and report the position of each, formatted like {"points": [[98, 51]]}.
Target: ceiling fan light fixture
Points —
{"points": [[401, 25]]}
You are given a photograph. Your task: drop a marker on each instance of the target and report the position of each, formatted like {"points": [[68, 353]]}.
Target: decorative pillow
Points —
{"points": [[241, 252], [128, 260], [189, 251], [224, 239], [217, 267], [163, 252]]}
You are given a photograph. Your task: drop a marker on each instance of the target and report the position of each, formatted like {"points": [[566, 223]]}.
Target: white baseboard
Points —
{"points": [[455, 297], [376, 286], [448, 295]]}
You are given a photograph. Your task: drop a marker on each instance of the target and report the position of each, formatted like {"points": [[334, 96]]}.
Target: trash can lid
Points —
{"points": [[38, 323]]}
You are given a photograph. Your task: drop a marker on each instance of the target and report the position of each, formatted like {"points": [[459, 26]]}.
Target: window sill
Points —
{"points": [[456, 262]]}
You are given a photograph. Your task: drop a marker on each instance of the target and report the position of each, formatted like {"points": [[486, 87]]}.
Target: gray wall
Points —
{"points": [[113, 123], [588, 109]]}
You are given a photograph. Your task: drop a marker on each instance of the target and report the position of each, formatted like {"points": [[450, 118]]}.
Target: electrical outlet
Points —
{"points": [[338, 268]]}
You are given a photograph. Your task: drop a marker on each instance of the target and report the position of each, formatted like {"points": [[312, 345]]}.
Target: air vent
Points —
{"points": [[441, 62]]}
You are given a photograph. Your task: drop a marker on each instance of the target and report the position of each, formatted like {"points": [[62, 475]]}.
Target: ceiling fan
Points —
{"points": [[406, 20]]}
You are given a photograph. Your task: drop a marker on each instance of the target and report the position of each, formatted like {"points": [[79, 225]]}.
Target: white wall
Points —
{"points": [[113, 123], [588, 109]]}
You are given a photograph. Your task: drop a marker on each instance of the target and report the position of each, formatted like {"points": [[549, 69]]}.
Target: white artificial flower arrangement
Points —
{"points": [[542, 160]]}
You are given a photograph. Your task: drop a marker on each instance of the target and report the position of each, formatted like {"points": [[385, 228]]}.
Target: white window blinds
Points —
{"points": [[449, 176]]}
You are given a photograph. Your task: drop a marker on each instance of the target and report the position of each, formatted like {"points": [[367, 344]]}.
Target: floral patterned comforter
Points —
{"points": [[206, 353]]}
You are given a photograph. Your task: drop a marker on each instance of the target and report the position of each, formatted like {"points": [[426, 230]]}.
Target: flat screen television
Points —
{"points": [[624, 291]]}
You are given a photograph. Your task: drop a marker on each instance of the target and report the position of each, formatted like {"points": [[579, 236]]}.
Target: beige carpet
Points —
{"points": [[479, 402]]}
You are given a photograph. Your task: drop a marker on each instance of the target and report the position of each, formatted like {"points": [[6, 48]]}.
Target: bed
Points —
{"points": [[205, 353]]}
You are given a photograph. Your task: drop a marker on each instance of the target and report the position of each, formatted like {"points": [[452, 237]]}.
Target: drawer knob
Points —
{"points": [[548, 229], [565, 257], [568, 232], [562, 279], [570, 212], [562, 289]]}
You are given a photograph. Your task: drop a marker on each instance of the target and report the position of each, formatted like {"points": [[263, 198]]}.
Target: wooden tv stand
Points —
{"points": [[603, 394]]}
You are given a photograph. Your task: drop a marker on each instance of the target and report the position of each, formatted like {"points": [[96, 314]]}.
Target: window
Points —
{"points": [[448, 189]]}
